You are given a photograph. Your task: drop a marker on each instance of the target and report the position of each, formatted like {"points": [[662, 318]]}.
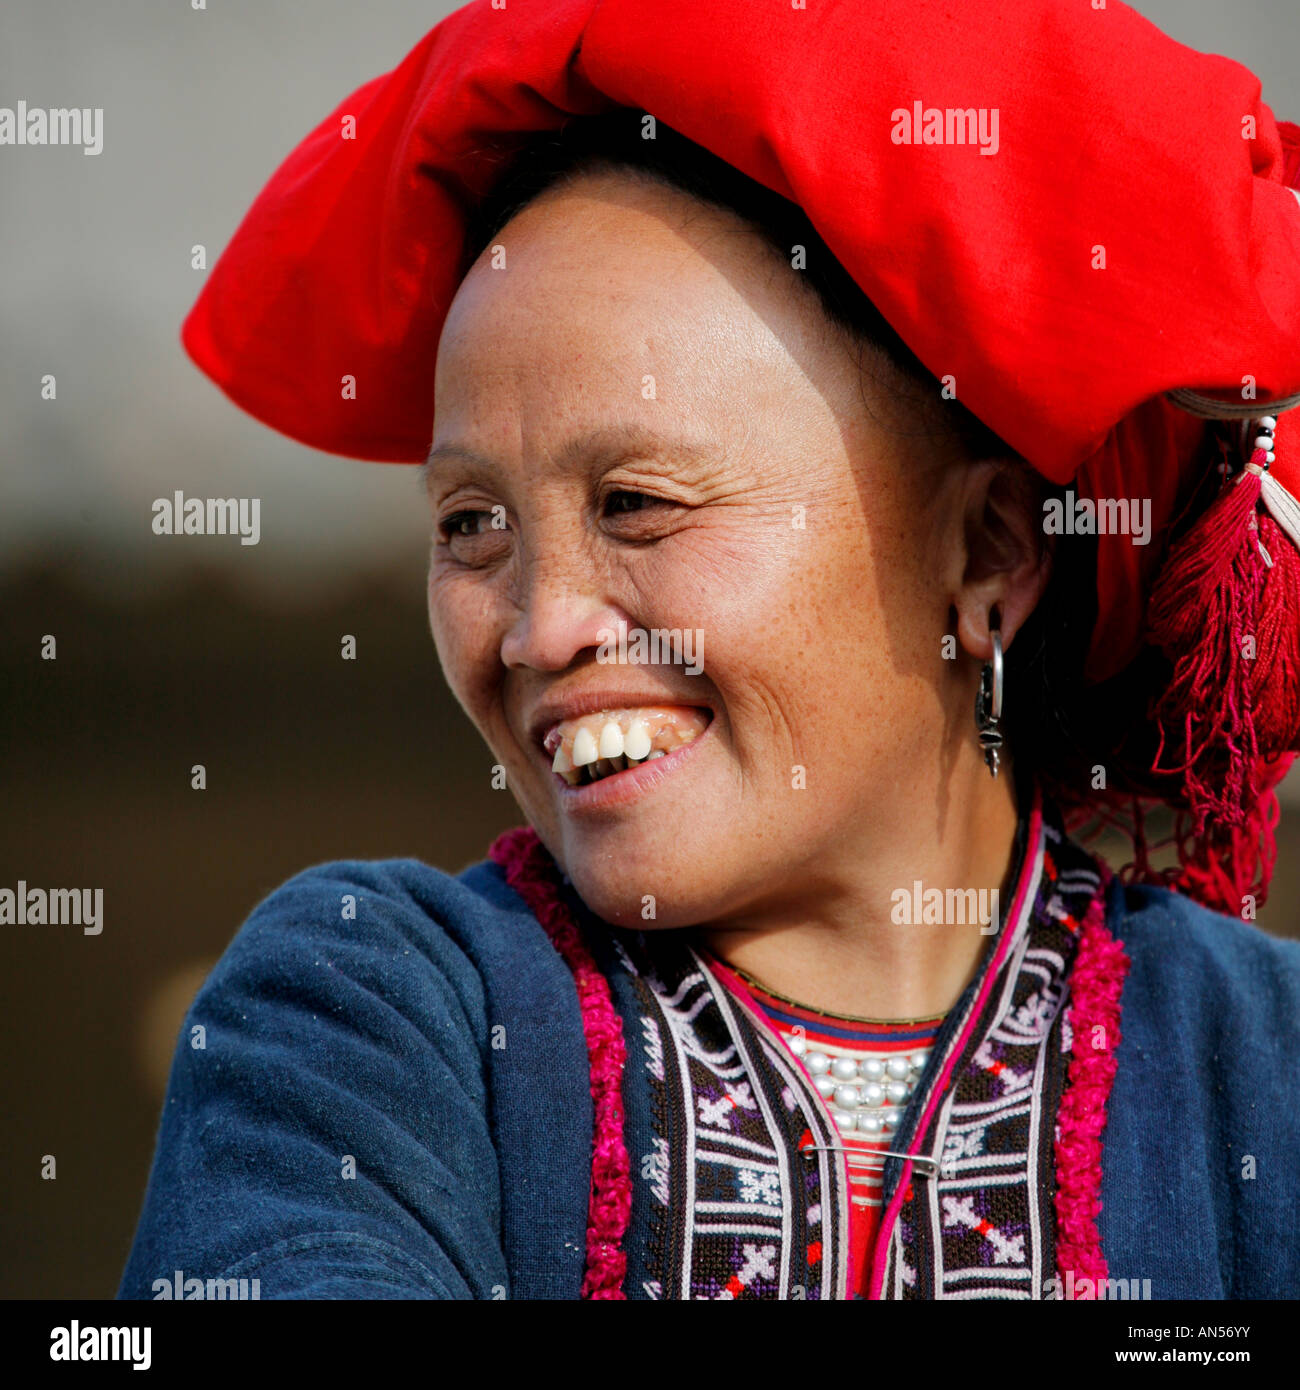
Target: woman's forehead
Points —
{"points": [[622, 257], [637, 301]]}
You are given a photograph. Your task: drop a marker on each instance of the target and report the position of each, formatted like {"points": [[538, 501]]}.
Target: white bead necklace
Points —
{"points": [[866, 1096]]}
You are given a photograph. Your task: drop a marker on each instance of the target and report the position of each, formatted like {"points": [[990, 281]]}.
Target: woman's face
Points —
{"points": [[645, 425]]}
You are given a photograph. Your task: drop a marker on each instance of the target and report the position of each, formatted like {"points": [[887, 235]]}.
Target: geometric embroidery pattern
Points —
{"points": [[983, 1225], [746, 1205]]}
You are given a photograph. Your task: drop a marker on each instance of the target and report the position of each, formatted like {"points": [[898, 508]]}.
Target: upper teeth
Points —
{"points": [[637, 742], [584, 748], [613, 740]]}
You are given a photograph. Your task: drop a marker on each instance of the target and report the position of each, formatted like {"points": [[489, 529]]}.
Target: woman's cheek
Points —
{"points": [[462, 640], [690, 579]]}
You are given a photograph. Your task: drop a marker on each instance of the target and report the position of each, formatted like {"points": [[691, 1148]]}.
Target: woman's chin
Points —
{"points": [[676, 880], [637, 906]]}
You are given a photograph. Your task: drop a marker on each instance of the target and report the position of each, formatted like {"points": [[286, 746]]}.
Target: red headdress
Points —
{"points": [[1092, 229]]}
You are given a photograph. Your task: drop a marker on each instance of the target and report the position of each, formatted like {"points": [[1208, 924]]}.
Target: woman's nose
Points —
{"points": [[558, 620]]}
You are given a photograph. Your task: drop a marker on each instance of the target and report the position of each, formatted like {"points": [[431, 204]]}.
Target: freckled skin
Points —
{"points": [[821, 642]]}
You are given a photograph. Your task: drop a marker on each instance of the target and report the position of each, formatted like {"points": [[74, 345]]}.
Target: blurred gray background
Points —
{"points": [[208, 651]]}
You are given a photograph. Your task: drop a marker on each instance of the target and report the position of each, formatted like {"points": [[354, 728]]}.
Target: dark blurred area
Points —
{"points": [[308, 758]]}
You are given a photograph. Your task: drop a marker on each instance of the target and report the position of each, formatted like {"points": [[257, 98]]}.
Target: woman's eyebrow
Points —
{"points": [[449, 451], [606, 442]]}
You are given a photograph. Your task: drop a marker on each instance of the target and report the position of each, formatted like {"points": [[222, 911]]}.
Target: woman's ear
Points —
{"points": [[1008, 554]]}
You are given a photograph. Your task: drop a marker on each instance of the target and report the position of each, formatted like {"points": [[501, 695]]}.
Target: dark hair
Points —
{"points": [[1056, 728]]}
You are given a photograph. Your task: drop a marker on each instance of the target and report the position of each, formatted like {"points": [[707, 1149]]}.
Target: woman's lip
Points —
{"points": [[619, 788]]}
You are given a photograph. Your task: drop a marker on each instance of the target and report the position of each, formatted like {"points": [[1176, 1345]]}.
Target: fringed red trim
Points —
{"points": [[1096, 983], [530, 871], [1227, 868]]}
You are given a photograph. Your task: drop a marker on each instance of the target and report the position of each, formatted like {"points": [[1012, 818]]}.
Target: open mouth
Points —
{"points": [[609, 741]]}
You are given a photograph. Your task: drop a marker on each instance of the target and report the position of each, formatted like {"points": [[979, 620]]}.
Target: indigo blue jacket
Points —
{"points": [[397, 1104]]}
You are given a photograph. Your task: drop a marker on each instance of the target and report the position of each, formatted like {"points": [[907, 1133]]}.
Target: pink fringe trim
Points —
{"points": [[1096, 983], [530, 871]]}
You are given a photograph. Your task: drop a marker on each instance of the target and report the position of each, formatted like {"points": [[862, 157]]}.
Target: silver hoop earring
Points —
{"points": [[988, 704]]}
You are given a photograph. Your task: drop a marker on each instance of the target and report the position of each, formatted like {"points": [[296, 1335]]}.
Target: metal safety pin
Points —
{"points": [[928, 1166]]}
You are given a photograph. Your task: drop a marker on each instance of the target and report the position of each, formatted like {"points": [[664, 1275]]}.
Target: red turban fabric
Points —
{"points": [[1134, 231]]}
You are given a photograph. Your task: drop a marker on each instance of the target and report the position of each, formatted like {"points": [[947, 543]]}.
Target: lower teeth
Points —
{"points": [[607, 767]]}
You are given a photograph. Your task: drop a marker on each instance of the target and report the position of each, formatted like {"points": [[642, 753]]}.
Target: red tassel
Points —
{"points": [[1203, 615], [1275, 683], [1224, 610], [1225, 866]]}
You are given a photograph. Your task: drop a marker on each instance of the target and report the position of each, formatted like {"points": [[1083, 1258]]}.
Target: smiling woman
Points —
{"points": [[770, 634]]}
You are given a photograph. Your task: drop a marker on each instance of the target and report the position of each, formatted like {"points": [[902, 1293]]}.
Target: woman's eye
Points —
{"points": [[475, 537], [463, 524], [639, 518], [622, 501]]}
